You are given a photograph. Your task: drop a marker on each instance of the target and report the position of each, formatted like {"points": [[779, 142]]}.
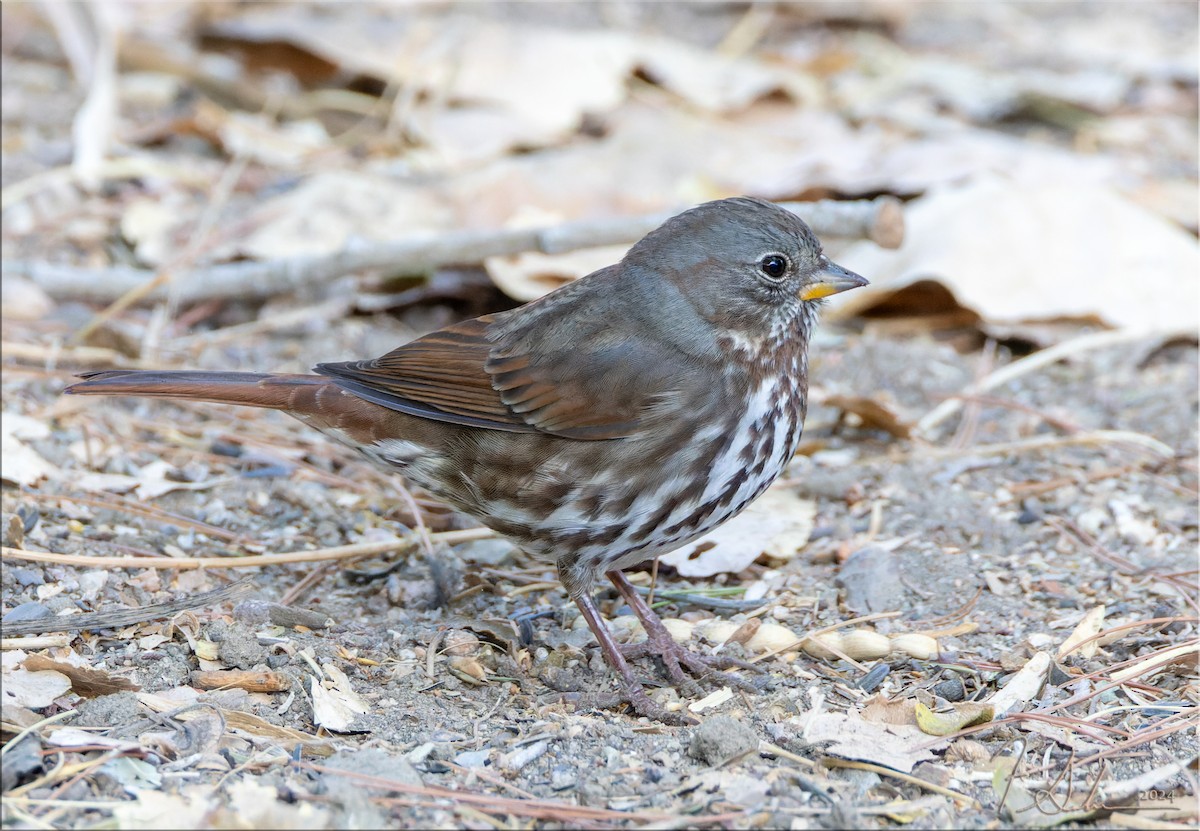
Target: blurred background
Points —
{"points": [[1047, 152]]}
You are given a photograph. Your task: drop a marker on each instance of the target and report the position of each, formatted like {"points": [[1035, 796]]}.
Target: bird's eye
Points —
{"points": [[773, 265]]}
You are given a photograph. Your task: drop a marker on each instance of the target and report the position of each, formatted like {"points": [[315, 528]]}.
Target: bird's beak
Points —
{"points": [[831, 279]]}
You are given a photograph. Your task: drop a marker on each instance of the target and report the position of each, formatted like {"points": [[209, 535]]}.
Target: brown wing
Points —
{"points": [[440, 376], [564, 365]]}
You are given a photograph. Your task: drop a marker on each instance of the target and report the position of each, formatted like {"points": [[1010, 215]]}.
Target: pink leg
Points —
{"points": [[659, 644], [632, 690]]}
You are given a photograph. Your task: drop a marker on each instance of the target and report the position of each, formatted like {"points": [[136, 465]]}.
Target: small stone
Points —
{"points": [[563, 778], [27, 611], [720, 739], [473, 758], [871, 579], [487, 552], [951, 689]]}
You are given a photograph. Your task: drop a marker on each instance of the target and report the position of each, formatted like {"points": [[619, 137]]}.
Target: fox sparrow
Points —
{"points": [[609, 422]]}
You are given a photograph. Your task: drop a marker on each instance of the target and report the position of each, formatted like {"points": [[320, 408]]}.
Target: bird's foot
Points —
{"points": [[684, 667], [682, 664]]}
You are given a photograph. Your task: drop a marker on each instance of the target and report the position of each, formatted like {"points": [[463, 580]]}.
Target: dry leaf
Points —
{"points": [[777, 523], [885, 711], [155, 809], [1023, 686], [1013, 253], [23, 299], [962, 714], [873, 412], [258, 804], [1088, 628], [331, 209], [337, 705], [22, 464], [897, 746], [84, 680], [35, 690]]}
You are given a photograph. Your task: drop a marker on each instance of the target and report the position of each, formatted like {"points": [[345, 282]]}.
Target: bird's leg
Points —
{"points": [[659, 644], [632, 689]]}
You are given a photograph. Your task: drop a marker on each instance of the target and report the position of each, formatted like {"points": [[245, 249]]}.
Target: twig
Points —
{"points": [[55, 354], [125, 617], [879, 219], [151, 512], [341, 552], [36, 642], [1030, 363], [1138, 440], [903, 777], [567, 812]]}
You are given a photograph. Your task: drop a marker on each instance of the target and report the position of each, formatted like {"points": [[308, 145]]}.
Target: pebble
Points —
{"points": [[720, 739], [27, 611]]}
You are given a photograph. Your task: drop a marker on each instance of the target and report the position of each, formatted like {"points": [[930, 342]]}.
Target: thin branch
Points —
{"points": [[125, 617], [879, 219], [341, 552], [1031, 363]]}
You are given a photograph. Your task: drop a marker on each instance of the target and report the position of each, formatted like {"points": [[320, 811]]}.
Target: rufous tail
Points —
{"points": [[250, 389]]}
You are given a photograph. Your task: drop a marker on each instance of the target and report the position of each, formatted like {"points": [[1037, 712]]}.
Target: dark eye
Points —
{"points": [[773, 265]]}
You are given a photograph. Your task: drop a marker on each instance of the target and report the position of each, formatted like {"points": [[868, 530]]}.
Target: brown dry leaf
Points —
{"points": [[155, 224], [897, 746], [778, 524], [631, 170], [873, 412], [1013, 253], [885, 711], [715, 82], [22, 464], [86, 681], [528, 276], [486, 86]]}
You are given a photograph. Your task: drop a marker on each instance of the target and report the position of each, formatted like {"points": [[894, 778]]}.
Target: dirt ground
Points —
{"points": [[429, 684]]}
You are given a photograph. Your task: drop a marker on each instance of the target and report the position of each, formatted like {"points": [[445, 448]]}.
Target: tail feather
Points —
{"points": [[250, 389]]}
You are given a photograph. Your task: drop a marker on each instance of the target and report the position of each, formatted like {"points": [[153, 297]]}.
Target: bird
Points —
{"points": [[599, 426]]}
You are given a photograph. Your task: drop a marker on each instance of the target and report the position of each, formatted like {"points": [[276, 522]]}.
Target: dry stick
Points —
{"points": [[880, 220], [125, 617], [903, 777], [151, 512], [1030, 363], [341, 552], [75, 355], [520, 807]]}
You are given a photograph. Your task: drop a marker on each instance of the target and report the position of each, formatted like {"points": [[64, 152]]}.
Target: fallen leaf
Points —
{"points": [[335, 703], [963, 714], [22, 464], [897, 746], [84, 680], [778, 523], [34, 690], [1013, 253], [873, 413], [1088, 628]]}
